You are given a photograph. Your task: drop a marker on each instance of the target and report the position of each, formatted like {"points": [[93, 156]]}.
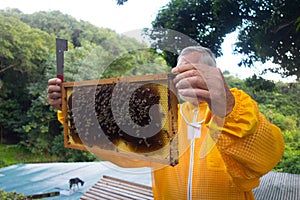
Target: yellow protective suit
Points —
{"points": [[229, 157]]}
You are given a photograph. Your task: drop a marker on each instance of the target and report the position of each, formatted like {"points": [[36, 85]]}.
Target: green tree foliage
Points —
{"points": [[272, 35], [23, 50], [195, 19], [258, 84], [267, 29], [67, 27], [298, 24]]}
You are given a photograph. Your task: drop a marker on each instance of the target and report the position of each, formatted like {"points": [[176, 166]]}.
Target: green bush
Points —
{"points": [[13, 154], [290, 162], [11, 195]]}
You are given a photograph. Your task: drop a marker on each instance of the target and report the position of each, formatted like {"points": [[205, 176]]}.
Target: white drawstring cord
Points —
{"points": [[196, 125]]}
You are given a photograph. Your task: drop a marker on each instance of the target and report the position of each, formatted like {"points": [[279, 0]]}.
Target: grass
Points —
{"points": [[14, 154]]}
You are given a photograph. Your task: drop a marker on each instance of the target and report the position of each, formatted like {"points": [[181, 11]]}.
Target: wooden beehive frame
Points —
{"points": [[170, 153]]}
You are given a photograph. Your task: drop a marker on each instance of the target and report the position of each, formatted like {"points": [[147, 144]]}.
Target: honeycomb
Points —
{"points": [[134, 116]]}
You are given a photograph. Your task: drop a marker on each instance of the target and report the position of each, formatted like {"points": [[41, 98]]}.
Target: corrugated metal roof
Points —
{"points": [[278, 186], [108, 188]]}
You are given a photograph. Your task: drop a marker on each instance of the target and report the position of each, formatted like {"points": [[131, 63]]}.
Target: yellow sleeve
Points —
{"points": [[250, 145], [60, 116]]}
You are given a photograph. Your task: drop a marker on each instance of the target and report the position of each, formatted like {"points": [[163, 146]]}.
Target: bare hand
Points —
{"points": [[54, 93], [198, 83]]}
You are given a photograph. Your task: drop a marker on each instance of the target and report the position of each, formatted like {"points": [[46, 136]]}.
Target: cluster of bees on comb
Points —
{"points": [[125, 116]]}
